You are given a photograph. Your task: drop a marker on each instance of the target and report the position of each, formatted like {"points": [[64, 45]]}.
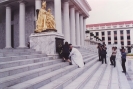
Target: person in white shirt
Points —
{"points": [[113, 56], [76, 57]]}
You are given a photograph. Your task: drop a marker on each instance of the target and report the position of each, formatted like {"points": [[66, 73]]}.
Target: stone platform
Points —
{"points": [[45, 42]]}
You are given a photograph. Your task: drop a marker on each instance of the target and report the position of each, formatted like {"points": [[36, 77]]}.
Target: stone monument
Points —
{"points": [[45, 35]]}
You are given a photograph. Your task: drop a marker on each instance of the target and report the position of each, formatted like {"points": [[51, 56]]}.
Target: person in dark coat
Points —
{"points": [[66, 52], [99, 51], [123, 58], [103, 54]]}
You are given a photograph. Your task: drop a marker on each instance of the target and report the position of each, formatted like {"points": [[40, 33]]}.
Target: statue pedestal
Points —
{"points": [[45, 42]]}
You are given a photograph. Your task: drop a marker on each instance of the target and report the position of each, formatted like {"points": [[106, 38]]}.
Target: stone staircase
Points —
{"points": [[28, 69]]}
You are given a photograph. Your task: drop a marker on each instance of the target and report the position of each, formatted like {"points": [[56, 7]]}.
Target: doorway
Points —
{"points": [[12, 36]]}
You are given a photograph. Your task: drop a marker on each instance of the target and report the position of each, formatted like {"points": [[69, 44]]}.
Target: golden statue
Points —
{"points": [[45, 20], [41, 21], [50, 21]]}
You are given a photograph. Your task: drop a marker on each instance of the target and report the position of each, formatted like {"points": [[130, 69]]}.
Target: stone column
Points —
{"points": [[37, 4], [81, 30], [100, 35], [84, 27], [58, 16], [8, 27], [77, 29], [66, 21], [72, 25], [106, 38], [118, 38], [22, 25], [125, 37], [112, 37]]}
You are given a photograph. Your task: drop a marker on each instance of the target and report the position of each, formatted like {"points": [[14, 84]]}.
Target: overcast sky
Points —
{"points": [[110, 11]]}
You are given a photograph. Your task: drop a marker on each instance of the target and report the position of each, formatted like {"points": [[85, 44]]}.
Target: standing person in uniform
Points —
{"points": [[123, 58], [99, 51], [104, 53]]}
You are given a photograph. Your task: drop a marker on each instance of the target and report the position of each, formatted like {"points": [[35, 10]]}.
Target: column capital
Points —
{"points": [[22, 1]]}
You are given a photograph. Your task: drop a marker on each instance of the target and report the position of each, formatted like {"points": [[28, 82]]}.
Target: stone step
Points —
{"points": [[84, 78], [22, 62], [27, 61], [114, 80], [19, 69], [63, 81], [106, 78], [17, 50], [19, 78], [22, 57], [44, 79], [47, 78], [94, 80], [8, 54], [123, 82]]}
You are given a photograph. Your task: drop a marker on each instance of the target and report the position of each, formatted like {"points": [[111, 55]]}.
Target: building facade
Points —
{"points": [[18, 20], [114, 33]]}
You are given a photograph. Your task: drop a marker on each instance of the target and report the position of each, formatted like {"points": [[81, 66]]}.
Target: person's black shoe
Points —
{"points": [[84, 63], [123, 72], [111, 64], [63, 60], [70, 63]]}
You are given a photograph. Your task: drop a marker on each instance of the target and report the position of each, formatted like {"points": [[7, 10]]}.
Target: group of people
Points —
{"points": [[102, 52], [72, 55], [102, 55]]}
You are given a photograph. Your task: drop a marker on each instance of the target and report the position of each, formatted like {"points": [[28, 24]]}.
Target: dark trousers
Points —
{"points": [[114, 62], [111, 60], [104, 58], [99, 56], [123, 65]]}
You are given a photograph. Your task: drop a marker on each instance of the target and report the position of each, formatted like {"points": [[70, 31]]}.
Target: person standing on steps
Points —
{"points": [[111, 58], [123, 59], [76, 57], [99, 51], [114, 56], [104, 53]]}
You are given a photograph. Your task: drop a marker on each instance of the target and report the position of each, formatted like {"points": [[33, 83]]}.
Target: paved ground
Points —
{"points": [[129, 75]]}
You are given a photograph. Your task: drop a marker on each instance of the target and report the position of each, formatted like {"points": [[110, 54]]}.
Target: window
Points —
{"points": [[109, 42], [121, 31], [97, 34], [109, 33], [129, 43], [115, 32], [109, 38], [103, 38], [115, 42], [128, 31], [122, 38], [115, 38], [122, 43], [102, 33], [128, 37]]}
